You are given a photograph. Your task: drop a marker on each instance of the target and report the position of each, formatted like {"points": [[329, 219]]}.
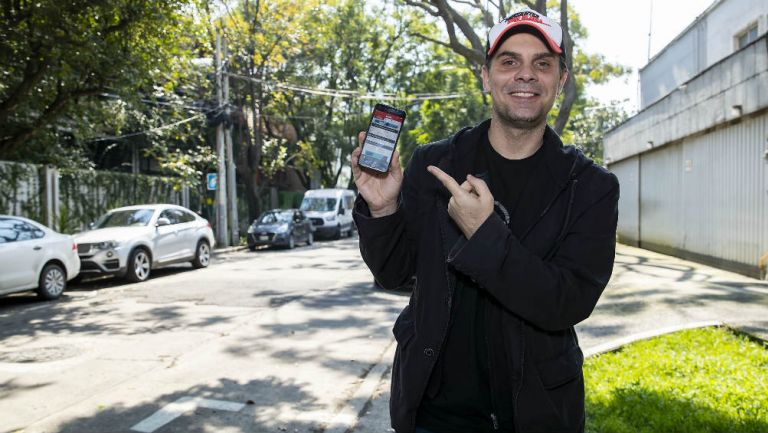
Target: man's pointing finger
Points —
{"points": [[446, 180]]}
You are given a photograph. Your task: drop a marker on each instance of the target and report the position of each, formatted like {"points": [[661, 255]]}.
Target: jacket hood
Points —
{"points": [[563, 162]]}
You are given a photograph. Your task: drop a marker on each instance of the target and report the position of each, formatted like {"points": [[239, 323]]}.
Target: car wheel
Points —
{"points": [[53, 281], [310, 238], [252, 247], [139, 266], [202, 255], [337, 235], [291, 242]]}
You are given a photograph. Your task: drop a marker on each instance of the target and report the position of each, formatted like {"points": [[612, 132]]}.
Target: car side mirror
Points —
{"points": [[341, 211], [163, 222]]}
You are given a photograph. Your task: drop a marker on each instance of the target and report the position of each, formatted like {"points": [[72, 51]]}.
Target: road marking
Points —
{"points": [[185, 404]]}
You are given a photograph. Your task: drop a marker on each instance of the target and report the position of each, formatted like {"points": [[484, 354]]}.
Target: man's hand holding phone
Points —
{"points": [[380, 190]]}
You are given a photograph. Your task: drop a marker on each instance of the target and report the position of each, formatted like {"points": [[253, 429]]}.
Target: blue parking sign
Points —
{"points": [[212, 181]]}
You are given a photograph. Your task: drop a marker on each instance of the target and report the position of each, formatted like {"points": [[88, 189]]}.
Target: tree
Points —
{"points": [[54, 55], [461, 18]]}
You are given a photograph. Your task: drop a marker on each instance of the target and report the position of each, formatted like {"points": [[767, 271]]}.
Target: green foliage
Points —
{"points": [[20, 191], [87, 194], [55, 57], [588, 126], [696, 381]]}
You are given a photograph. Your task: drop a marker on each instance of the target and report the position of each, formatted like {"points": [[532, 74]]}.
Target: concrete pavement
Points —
{"points": [[649, 294]]}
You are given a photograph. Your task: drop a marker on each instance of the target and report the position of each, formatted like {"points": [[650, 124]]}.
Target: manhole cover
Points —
{"points": [[41, 354]]}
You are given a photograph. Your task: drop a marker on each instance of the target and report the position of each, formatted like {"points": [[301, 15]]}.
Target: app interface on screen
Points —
{"points": [[381, 139]]}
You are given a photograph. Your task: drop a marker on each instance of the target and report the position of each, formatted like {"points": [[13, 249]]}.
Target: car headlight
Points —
{"points": [[107, 245], [251, 229], [282, 229], [330, 218]]}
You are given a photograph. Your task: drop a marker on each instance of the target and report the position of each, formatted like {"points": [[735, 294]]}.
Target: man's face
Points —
{"points": [[523, 79]]}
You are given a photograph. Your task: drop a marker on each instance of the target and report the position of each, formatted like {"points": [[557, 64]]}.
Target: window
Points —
{"points": [[13, 230], [170, 215], [746, 37], [185, 217]]}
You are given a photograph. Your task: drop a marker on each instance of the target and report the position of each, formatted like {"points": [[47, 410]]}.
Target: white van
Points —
{"points": [[330, 211]]}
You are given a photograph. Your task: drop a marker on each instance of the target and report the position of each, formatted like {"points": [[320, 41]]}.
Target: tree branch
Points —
{"points": [[51, 112], [33, 73]]}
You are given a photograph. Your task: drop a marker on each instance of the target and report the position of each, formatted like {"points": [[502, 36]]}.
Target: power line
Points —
{"points": [[155, 129], [342, 93]]}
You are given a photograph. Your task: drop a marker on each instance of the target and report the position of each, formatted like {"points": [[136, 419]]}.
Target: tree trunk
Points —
{"points": [[570, 95]]}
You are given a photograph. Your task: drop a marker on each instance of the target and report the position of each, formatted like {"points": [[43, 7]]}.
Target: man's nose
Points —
{"points": [[525, 74]]}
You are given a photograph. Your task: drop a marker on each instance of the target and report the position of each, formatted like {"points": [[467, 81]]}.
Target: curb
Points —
{"points": [[617, 344], [225, 250], [346, 419]]}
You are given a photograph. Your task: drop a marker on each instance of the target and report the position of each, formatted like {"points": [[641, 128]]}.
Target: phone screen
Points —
{"points": [[381, 138]]}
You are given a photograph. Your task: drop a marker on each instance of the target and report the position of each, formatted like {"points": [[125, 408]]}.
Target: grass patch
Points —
{"points": [[697, 381]]}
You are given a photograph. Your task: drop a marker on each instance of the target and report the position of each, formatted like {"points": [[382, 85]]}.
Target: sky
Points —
{"points": [[618, 29]]}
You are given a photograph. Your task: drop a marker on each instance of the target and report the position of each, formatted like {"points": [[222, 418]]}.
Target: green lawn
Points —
{"points": [[697, 381]]}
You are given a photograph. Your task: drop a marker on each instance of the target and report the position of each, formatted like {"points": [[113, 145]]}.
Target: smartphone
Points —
{"points": [[381, 137]]}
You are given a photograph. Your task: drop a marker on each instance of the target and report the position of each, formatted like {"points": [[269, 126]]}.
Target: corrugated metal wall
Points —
{"points": [[628, 172], [661, 196], [705, 197], [725, 192]]}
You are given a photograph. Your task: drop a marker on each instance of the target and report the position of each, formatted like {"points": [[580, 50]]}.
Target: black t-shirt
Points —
{"points": [[470, 391]]}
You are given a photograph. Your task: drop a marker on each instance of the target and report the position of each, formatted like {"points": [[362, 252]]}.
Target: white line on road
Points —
{"points": [[185, 404]]}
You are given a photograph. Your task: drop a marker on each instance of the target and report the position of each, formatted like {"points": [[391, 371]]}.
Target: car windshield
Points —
{"points": [[276, 217], [125, 218], [319, 204]]}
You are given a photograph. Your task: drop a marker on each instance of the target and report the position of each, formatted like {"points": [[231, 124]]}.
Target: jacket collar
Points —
{"points": [[563, 162]]}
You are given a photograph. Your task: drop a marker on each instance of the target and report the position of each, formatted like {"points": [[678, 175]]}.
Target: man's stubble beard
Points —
{"points": [[520, 122]]}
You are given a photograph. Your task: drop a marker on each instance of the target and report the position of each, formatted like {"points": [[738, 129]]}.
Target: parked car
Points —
{"points": [[32, 256], [131, 241], [330, 211], [280, 227]]}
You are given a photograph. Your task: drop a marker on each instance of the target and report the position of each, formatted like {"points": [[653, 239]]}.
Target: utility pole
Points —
{"points": [[222, 238], [231, 174]]}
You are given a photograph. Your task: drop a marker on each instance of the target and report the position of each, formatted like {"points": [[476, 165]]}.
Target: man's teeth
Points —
{"points": [[526, 94]]}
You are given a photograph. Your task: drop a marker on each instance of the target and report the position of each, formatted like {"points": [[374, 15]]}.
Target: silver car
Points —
{"points": [[33, 256], [131, 241]]}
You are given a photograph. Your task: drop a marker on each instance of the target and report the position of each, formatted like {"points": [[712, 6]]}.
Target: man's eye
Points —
{"points": [[543, 65]]}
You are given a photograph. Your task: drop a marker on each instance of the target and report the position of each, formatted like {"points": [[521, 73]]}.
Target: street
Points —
{"points": [[282, 341], [276, 340]]}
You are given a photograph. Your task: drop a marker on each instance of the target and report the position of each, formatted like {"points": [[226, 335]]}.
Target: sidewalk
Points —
{"points": [[648, 292]]}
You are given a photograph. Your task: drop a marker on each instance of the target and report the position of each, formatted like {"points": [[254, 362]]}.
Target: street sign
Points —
{"points": [[212, 181]]}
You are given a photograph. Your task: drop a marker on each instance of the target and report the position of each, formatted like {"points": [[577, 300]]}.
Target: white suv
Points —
{"points": [[131, 241]]}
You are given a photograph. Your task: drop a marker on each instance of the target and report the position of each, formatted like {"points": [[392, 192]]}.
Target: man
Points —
{"points": [[511, 238]]}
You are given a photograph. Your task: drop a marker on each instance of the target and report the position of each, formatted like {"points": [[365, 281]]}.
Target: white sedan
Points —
{"points": [[131, 241], [33, 256]]}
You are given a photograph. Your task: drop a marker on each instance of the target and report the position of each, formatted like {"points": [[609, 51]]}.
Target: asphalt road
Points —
{"points": [[275, 340]]}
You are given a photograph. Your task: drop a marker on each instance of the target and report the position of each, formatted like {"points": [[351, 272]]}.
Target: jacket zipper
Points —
{"points": [[494, 420], [522, 373]]}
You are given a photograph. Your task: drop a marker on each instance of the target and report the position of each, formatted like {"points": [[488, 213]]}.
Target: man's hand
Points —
{"points": [[471, 202], [380, 190]]}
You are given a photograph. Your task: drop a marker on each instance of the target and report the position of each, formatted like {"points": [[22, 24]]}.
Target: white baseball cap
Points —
{"points": [[549, 29]]}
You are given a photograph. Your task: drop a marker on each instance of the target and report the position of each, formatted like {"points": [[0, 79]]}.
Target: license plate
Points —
{"points": [[263, 237]]}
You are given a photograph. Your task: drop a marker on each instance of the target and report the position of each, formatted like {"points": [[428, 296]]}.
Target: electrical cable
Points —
{"points": [[155, 129], [342, 93]]}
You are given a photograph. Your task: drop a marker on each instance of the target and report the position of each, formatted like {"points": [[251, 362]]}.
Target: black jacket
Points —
{"points": [[543, 283]]}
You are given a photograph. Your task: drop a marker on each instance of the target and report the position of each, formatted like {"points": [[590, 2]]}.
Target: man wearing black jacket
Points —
{"points": [[511, 238]]}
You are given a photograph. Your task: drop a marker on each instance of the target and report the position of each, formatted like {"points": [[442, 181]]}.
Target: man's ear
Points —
{"points": [[484, 72]]}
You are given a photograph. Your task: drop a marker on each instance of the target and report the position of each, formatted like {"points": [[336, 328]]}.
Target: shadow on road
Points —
{"points": [[264, 411]]}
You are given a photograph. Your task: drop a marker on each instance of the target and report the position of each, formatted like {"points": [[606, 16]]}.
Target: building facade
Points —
{"points": [[693, 163]]}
